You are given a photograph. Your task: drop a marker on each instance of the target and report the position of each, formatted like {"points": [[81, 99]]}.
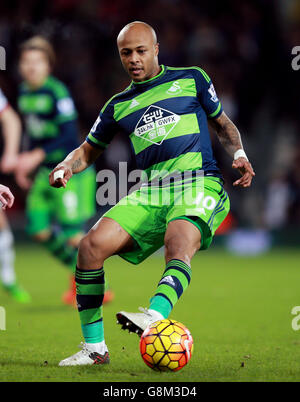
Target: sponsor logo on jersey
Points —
{"points": [[175, 89], [156, 124], [35, 126]]}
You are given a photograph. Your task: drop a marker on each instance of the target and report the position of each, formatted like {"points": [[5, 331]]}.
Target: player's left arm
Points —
{"points": [[230, 139], [227, 132]]}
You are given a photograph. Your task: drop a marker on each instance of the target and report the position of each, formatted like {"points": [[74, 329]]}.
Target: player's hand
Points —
{"points": [[60, 176], [22, 180], [246, 170], [8, 163], [29, 161], [6, 197], [26, 163]]}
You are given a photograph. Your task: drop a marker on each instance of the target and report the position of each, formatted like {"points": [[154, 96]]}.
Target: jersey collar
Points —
{"points": [[159, 75]]}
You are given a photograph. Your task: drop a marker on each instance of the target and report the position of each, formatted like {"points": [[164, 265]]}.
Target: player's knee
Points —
{"points": [[87, 247], [42, 236], [75, 240], [175, 250], [90, 252], [180, 248]]}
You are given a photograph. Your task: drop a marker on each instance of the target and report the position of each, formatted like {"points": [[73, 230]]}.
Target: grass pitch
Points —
{"points": [[237, 309]]}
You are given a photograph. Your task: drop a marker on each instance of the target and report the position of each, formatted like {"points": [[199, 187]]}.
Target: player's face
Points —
{"points": [[139, 56], [34, 67]]}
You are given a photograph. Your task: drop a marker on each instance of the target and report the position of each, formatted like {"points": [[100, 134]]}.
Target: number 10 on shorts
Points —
{"points": [[207, 202]]}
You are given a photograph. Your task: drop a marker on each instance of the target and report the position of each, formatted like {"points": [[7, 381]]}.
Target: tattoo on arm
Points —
{"points": [[82, 157], [227, 133], [76, 164]]}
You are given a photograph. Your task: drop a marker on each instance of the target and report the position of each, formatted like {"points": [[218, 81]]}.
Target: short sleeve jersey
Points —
{"points": [[165, 118]]}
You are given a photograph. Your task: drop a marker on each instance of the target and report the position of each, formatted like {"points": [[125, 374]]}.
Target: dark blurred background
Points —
{"points": [[245, 47]]}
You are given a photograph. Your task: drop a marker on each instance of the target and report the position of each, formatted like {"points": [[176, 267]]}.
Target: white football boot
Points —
{"points": [[138, 322], [86, 356]]}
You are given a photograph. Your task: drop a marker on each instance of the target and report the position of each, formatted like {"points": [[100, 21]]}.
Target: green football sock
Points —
{"points": [[90, 286], [173, 283]]}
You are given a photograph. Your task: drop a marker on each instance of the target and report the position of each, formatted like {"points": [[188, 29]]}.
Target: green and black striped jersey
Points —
{"points": [[165, 118], [50, 119]]}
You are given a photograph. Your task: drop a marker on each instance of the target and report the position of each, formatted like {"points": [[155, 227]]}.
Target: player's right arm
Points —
{"points": [[77, 161]]}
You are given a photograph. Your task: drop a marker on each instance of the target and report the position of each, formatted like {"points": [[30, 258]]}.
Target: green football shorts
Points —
{"points": [[145, 213], [68, 207]]}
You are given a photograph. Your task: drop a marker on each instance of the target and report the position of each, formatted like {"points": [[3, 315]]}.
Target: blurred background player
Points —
{"points": [[55, 219], [11, 130]]}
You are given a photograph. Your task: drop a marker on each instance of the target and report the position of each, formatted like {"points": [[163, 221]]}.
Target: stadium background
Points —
{"points": [[246, 49]]}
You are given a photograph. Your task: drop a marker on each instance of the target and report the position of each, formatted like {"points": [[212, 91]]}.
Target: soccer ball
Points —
{"points": [[166, 345]]}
